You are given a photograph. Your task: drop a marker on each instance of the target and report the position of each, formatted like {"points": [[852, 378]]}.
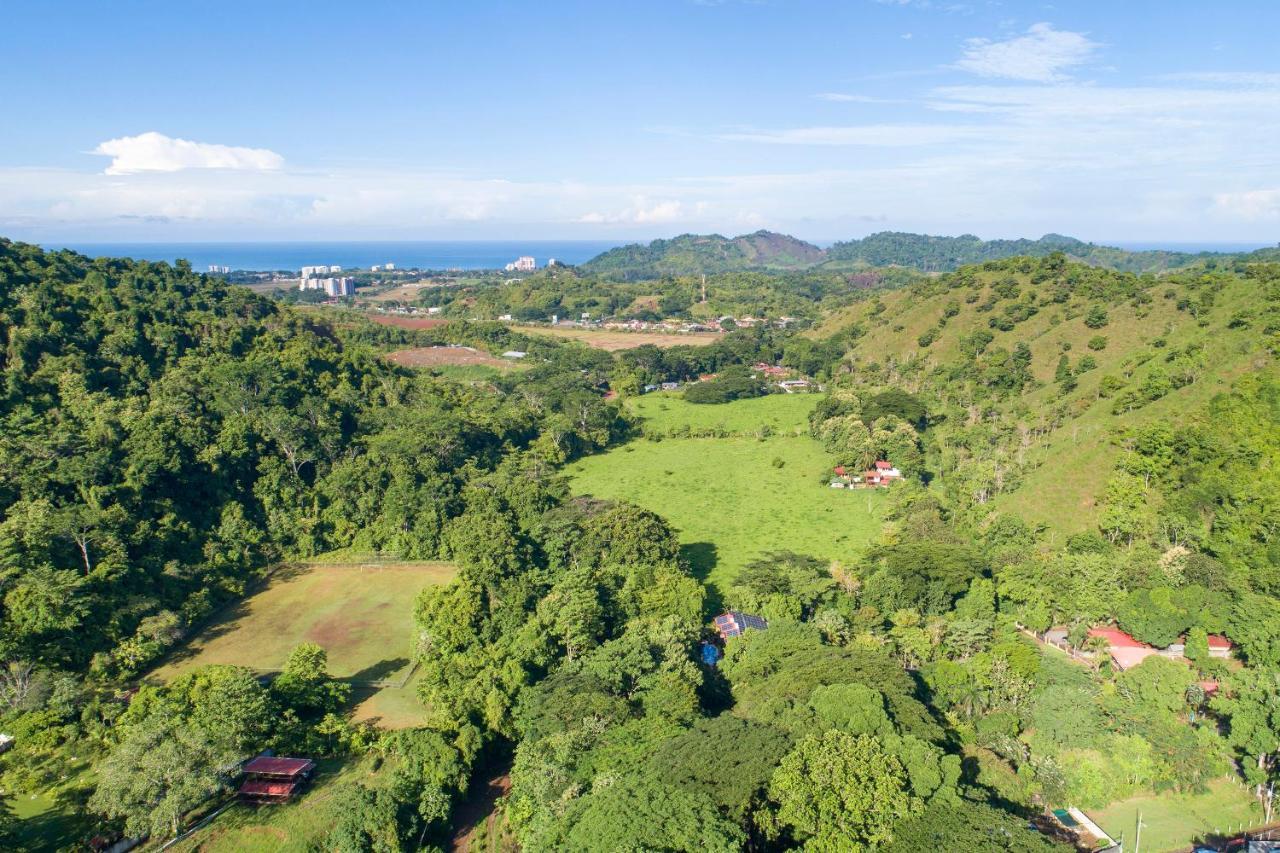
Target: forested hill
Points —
{"points": [[930, 253], [692, 254]]}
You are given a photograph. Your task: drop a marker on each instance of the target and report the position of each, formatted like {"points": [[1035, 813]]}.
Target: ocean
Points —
{"points": [[424, 254]]}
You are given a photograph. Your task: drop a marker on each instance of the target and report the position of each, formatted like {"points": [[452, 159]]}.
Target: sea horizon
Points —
{"points": [[288, 255]]}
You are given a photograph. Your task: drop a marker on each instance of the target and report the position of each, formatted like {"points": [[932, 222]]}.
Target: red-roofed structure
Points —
{"points": [[261, 789], [278, 768], [1209, 687], [1126, 652], [1219, 647], [272, 779], [1118, 639]]}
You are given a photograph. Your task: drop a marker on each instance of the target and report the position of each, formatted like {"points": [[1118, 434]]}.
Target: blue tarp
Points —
{"points": [[710, 654]]}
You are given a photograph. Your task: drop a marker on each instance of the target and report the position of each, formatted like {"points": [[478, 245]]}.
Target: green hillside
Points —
{"points": [[694, 254], [1047, 448]]}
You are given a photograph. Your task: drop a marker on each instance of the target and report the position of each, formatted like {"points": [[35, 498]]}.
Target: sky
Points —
{"points": [[1142, 120]]}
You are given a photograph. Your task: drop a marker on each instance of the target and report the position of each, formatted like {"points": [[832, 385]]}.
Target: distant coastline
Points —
{"points": [[423, 254]]}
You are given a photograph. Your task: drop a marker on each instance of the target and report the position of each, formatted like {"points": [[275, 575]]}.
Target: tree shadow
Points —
{"points": [[379, 671], [702, 558]]}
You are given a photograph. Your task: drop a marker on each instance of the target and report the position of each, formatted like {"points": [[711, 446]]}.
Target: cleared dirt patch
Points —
{"points": [[435, 356], [617, 340], [402, 322]]}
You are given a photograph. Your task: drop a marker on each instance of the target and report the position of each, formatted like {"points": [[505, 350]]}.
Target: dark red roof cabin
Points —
{"points": [[272, 779]]}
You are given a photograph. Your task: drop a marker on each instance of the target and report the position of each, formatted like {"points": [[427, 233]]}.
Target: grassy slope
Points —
{"points": [[1073, 462], [1174, 821], [724, 495], [360, 612], [300, 826]]}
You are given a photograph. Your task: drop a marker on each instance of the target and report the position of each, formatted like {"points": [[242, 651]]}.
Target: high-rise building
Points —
{"points": [[524, 263]]}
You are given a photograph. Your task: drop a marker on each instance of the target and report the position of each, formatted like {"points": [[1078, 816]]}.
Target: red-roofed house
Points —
{"points": [[1219, 647], [881, 473], [1125, 651], [272, 779]]}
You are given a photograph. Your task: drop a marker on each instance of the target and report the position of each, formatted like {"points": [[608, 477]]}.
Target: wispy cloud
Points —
{"points": [[155, 152], [1250, 205], [1261, 79], [866, 134], [851, 98], [1042, 55]]}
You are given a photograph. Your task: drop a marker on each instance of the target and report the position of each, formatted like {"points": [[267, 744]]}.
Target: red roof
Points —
{"points": [[1218, 642], [840, 470], [263, 788], [1209, 687], [1117, 638], [265, 765], [882, 465]]}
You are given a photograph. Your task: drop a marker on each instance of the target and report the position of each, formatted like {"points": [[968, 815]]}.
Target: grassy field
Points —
{"points": [[729, 498], [1174, 821], [611, 340], [360, 612], [781, 413], [298, 826]]}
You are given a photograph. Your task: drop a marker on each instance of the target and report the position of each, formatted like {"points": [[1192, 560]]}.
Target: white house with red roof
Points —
{"points": [[1127, 651]]}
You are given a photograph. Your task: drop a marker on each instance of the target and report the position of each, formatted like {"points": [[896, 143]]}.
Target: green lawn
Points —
{"points": [[1174, 821], [360, 612], [782, 413], [300, 826], [52, 820], [725, 496]]}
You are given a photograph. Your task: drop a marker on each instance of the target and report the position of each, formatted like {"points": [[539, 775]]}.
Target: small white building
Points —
{"points": [[388, 266], [514, 353]]}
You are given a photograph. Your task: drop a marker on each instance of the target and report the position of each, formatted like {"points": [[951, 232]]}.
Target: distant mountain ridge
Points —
{"points": [[693, 254]]}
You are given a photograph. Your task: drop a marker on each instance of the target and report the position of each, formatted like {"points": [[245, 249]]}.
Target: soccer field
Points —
{"points": [[732, 499], [360, 613]]}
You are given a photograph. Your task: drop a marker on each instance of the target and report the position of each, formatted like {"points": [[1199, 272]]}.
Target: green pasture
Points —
{"points": [[1175, 821], [732, 499], [360, 612]]}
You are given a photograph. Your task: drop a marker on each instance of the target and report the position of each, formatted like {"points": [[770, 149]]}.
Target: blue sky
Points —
{"points": [[1112, 121]]}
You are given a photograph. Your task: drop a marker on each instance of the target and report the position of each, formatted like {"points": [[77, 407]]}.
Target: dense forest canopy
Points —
{"points": [[169, 439], [692, 254]]}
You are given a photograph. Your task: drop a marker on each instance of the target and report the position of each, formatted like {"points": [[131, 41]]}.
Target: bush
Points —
{"points": [[1097, 343], [1096, 318]]}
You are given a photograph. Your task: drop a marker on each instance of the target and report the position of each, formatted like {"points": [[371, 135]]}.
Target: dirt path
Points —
{"points": [[478, 810]]}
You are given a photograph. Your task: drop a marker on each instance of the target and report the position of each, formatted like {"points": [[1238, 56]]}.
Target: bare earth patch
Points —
{"points": [[436, 356], [402, 322], [611, 340]]}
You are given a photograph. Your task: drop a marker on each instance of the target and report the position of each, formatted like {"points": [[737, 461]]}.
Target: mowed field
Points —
{"points": [[1176, 821], [361, 613], [729, 498], [607, 339]]}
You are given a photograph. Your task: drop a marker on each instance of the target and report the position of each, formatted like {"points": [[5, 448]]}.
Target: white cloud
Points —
{"points": [[1042, 55], [643, 212], [1260, 79], [1250, 205], [155, 152], [885, 135]]}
